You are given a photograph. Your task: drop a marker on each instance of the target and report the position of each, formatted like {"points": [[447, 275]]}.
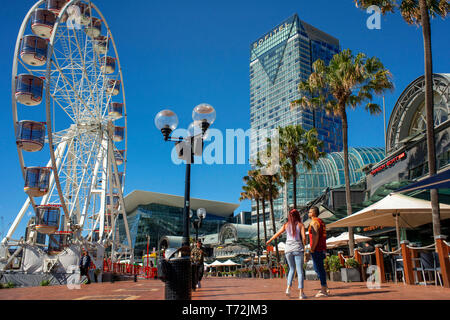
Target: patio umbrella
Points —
{"points": [[216, 263], [229, 263], [393, 210], [343, 238]]}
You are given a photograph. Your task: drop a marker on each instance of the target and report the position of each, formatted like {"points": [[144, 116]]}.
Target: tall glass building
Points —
{"points": [[279, 60]]}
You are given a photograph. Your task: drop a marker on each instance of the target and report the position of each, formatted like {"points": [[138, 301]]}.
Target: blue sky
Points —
{"points": [[177, 54]]}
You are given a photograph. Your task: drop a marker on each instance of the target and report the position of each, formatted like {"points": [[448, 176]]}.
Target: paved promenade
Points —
{"points": [[227, 289]]}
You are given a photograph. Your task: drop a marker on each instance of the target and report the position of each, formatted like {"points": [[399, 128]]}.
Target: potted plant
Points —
{"points": [[97, 275], [335, 266], [326, 266], [265, 272], [351, 271]]}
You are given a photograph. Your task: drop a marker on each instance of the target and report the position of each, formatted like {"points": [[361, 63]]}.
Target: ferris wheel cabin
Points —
{"points": [[48, 217], [115, 110], [113, 87], [30, 135], [118, 156], [42, 22], [85, 11], [33, 50], [58, 241], [29, 89], [37, 181], [119, 133], [119, 183], [55, 6], [101, 44], [94, 28], [108, 65], [115, 200]]}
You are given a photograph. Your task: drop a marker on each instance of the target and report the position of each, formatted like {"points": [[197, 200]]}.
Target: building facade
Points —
{"points": [[279, 60], [405, 162], [159, 216]]}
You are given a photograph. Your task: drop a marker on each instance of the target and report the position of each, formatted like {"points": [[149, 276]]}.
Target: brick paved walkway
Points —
{"points": [[227, 289]]}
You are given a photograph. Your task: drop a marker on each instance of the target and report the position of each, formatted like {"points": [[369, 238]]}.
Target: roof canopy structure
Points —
{"points": [[411, 213], [139, 197], [437, 181], [343, 238]]}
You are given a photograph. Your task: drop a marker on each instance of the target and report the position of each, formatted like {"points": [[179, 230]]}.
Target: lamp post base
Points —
{"points": [[179, 283]]}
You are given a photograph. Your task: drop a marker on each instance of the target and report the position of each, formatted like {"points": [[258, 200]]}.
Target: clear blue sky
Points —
{"points": [[178, 54]]}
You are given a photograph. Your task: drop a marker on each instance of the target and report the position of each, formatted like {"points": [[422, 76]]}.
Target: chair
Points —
{"points": [[397, 262], [437, 268], [426, 263], [388, 268]]}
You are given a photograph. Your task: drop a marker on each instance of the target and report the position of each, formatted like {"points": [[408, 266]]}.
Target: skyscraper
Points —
{"points": [[279, 60]]}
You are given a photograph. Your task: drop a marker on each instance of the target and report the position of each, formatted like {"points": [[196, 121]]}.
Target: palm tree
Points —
{"points": [[298, 146], [418, 12], [347, 81], [252, 192], [286, 173], [271, 183]]}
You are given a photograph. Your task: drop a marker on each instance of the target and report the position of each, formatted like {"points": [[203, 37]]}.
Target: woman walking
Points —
{"points": [[295, 243]]}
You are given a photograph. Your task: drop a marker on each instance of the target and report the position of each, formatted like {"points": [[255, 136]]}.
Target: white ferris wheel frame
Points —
{"points": [[104, 163]]}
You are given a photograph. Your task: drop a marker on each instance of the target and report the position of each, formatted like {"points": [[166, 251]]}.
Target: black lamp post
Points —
{"points": [[167, 121]]}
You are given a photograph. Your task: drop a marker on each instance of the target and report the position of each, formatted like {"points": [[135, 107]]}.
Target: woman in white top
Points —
{"points": [[295, 243]]}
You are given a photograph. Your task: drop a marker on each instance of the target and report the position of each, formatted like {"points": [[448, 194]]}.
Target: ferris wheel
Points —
{"points": [[69, 114]]}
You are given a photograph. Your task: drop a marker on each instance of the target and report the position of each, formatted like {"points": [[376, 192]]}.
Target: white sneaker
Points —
{"points": [[288, 291], [321, 294]]}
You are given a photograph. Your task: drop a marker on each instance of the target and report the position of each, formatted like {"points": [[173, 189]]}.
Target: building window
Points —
{"points": [[443, 159], [418, 171]]}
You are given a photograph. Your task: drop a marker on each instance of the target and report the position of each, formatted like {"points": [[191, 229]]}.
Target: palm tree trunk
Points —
{"points": [[348, 198], [285, 199], [294, 182], [258, 241], [264, 224], [264, 219], [429, 105], [272, 216]]}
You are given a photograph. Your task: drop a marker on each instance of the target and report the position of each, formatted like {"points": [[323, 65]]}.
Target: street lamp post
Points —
{"points": [[167, 121], [197, 223]]}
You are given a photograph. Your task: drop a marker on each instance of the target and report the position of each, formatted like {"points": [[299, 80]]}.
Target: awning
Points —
{"points": [[412, 212], [229, 263], [343, 238], [437, 181], [393, 210], [216, 264]]}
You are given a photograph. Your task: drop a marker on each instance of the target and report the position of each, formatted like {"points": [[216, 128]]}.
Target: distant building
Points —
{"points": [[161, 215], [279, 60], [243, 217]]}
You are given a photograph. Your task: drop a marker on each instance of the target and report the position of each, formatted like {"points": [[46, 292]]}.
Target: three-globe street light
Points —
{"points": [[167, 121]]}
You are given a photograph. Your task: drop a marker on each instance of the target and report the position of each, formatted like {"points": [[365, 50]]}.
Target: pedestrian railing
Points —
{"points": [[129, 269]]}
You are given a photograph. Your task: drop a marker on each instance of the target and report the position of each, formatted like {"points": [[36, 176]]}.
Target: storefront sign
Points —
{"points": [[390, 163]]}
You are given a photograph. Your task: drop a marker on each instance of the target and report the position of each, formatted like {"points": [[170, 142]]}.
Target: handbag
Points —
{"points": [[307, 256]]}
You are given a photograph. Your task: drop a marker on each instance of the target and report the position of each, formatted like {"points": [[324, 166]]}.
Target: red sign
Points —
{"points": [[389, 163]]}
